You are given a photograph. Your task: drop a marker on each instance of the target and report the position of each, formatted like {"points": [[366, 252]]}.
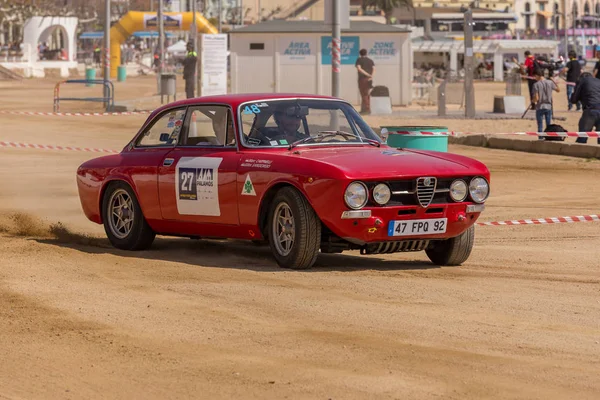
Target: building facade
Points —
{"points": [[494, 5], [542, 15]]}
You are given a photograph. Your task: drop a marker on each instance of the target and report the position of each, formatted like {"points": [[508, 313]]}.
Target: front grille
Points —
{"points": [[426, 190], [405, 192], [394, 247]]}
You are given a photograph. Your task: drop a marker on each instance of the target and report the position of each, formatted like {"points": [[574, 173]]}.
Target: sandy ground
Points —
{"points": [[219, 319]]}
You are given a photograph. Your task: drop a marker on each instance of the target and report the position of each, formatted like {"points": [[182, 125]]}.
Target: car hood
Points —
{"points": [[386, 162]]}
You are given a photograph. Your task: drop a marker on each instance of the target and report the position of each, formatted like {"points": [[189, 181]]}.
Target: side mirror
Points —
{"points": [[164, 137]]}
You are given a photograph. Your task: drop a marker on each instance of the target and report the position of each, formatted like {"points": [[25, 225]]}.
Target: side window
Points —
{"points": [[210, 126], [164, 131]]}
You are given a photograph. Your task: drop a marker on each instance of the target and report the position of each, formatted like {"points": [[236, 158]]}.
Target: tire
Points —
{"points": [[303, 239], [454, 251], [135, 234]]}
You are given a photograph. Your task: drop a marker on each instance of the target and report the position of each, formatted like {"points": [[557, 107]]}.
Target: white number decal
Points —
{"points": [[186, 181]]}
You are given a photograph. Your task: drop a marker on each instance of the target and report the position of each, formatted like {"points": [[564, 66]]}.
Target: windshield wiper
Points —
{"points": [[306, 139], [342, 133], [323, 134]]}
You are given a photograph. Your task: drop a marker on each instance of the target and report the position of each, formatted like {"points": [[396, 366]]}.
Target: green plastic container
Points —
{"points": [[90, 74], [421, 142], [121, 73]]}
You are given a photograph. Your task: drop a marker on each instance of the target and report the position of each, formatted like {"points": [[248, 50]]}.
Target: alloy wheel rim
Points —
{"points": [[120, 208], [284, 229]]}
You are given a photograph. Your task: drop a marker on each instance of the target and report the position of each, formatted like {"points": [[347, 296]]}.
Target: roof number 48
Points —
{"points": [[253, 109]]}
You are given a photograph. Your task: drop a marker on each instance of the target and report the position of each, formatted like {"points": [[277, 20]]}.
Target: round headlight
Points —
{"points": [[458, 190], [382, 194], [479, 189], [356, 195]]}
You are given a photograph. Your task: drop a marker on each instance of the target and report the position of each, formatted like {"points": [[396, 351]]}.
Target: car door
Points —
{"points": [[197, 179], [151, 147]]}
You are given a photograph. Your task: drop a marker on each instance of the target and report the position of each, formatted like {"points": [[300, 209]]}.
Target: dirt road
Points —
{"points": [[219, 319]]}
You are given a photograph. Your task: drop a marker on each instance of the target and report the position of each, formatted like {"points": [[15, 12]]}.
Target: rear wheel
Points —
{"points": [[124, 223], [294, 230], [454, 251]]}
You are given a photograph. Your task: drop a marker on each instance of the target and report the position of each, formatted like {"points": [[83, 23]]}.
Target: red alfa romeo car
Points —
{"points": [[305, 173]]}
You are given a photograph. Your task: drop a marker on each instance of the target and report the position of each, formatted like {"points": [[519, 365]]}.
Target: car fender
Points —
{"points": [[114, 176], [268, 193], [310, 188]]}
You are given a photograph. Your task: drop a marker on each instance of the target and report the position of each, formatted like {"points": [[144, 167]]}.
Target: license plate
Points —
{"points": [[417, 227]]}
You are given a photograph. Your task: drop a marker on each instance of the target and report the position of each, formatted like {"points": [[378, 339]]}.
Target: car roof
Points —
{"points": [[235, 100]]}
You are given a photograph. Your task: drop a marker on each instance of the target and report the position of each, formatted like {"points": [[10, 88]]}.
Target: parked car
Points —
{"points": [[305, 173]]}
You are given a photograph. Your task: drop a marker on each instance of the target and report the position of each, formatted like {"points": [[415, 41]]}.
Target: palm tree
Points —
{"points": [[387, 6]]}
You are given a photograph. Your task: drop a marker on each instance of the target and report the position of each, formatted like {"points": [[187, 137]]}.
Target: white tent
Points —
{"points": [[178, 49]]}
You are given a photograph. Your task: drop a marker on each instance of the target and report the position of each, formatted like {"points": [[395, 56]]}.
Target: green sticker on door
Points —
{"points": [[248, 189]]}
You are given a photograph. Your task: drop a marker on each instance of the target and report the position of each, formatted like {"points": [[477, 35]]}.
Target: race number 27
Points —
{"points": [[187, 184]]}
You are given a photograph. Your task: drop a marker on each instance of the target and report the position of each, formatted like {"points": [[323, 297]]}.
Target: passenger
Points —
{"points": [[223, 128]]}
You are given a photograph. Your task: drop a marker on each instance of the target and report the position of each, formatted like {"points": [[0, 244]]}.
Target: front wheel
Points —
{"points": [[124, 222], [294, 230], [453, 251]]}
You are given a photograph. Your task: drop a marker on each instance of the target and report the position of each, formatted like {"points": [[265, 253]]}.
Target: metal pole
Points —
{"points": [[219, 13], [106, 49], [161, 43], [566, 32], [259, 12], [469, 91], [194, 43], [335, 49]]}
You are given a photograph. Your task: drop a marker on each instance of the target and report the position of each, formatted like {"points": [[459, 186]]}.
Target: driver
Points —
{"points": [[287, 125]]}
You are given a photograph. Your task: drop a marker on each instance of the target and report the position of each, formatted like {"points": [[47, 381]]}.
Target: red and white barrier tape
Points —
{"points": [[552, 134], [540, 221], [544, 221], [75, 114], [50, 147]]}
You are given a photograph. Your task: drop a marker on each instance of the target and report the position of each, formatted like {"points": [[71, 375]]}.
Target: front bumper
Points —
{"points": [[361, 228]]}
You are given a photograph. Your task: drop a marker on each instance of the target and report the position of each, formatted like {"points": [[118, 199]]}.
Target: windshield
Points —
{"points": [[314, 121]]}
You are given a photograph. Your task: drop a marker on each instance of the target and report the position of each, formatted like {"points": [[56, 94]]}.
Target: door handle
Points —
{"points": [[168, 162]]}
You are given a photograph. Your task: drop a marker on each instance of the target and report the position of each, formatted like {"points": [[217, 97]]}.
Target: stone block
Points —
{"points": [[522, 145], [509, 104], [583, 150], [500, 143], [544, 147], [469, 140]]}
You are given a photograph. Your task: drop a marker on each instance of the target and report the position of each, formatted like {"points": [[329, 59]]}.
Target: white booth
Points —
{"points": [[59, 35], [295, 57]]}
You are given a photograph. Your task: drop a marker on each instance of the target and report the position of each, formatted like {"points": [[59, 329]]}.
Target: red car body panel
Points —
{"points": [[320, 172]]}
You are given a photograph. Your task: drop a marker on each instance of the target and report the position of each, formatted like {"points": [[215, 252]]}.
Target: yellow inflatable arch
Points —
{"points": [[135, 21]]}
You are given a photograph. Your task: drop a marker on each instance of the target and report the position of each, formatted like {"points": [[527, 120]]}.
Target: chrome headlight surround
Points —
{"points": [[382, 194], [479, 189], [356, 195], [459, 190]]}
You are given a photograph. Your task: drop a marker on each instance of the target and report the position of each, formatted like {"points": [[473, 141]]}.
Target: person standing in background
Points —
{"points": [[189, 70], [596, 72], [573, 72], [542, 97], [366, 70], [587, 92], [528, 68]]}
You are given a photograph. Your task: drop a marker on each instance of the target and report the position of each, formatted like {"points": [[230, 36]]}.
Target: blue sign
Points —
{"points": [[349, 51]]}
